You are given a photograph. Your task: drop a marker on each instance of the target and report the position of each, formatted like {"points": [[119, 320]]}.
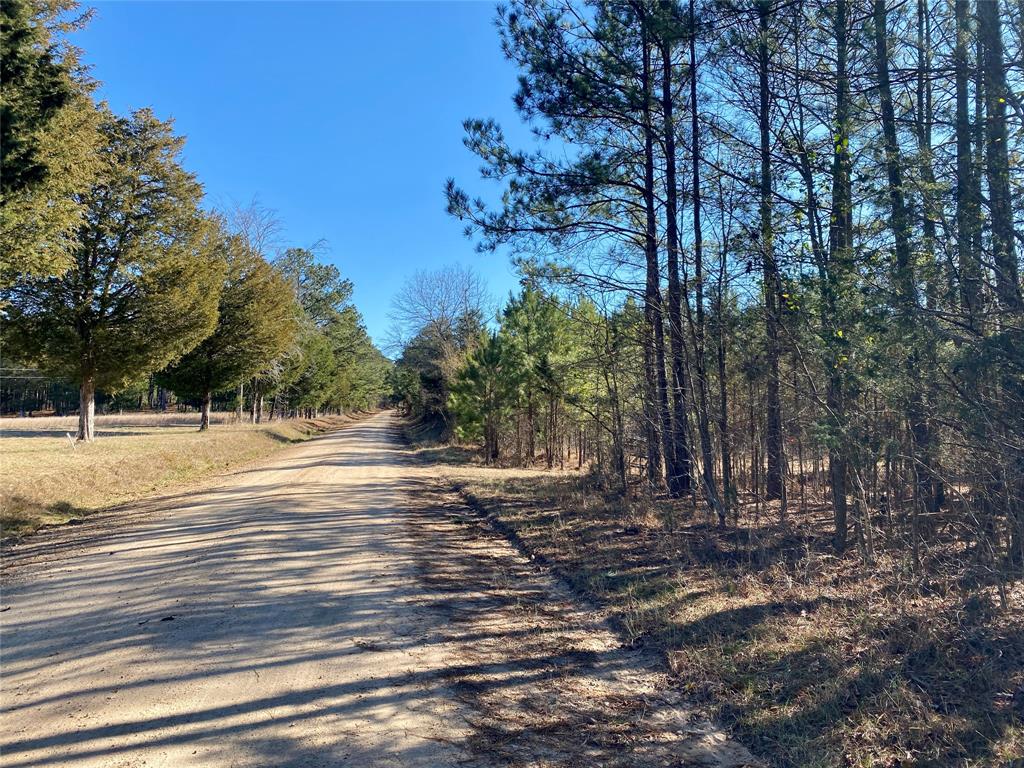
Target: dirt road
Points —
{"points": [[328, 608]]}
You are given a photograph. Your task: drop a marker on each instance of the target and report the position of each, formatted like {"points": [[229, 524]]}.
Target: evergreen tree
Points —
{"points": [[484, 391], [144, 285], [320, 289], [49, 139], [257, 320]]}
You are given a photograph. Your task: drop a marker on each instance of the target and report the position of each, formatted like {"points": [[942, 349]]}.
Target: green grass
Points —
{"points": [[45, 479]]}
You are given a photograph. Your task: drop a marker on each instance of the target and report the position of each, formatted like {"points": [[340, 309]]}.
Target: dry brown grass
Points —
{"points": [[812, 660], [45, 479]]}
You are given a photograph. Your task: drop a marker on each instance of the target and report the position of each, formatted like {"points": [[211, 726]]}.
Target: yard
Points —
{"points": [[48, 479]]}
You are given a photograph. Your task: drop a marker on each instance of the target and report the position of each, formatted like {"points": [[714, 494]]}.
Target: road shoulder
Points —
{"points": [[546, 678]]}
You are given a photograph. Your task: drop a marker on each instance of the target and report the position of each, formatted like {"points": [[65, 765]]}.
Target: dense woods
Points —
{"points": [[118, 281], [771, 256]]}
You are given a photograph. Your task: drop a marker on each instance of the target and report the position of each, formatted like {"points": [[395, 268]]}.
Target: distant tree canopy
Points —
{"points": [[335, 364], [320, 288], [437, 317]]}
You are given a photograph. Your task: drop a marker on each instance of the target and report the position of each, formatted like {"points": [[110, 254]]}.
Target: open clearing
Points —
{"points": [[333, 607], [46, 479]]}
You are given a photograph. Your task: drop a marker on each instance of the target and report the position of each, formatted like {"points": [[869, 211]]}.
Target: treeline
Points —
{"points": [[783, 242], [115, 275]]}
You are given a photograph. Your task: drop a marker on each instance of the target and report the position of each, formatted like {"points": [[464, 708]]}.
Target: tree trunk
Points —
{"points": [[840, 263], [549, 442], [531, 436], [204, 418], [904, 278], [728, 486], [87, 410], [997, 157], [679, 465], [241, 402], [654, 412], [773, 433], [968, 193], [930, 214], [710, 486], [618, 429]]}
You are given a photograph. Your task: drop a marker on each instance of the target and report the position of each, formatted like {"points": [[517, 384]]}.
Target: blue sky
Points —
{"points": [[344, 117]]}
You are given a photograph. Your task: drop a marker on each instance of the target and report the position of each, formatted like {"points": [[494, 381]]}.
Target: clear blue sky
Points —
{"points": [[344, 117]]}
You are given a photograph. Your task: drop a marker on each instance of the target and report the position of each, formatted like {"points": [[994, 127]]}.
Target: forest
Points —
{"points": [[770, 254], [122, 285], [771, 319]]}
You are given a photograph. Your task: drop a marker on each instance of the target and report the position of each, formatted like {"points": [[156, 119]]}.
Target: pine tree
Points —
{"points": [[997, 161], [484, 390]]}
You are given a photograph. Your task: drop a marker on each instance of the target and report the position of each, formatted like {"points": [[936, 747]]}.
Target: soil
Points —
{"points": [[332, 606]]}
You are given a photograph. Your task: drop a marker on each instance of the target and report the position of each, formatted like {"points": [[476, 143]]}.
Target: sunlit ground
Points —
{"points": [[46, 478]]}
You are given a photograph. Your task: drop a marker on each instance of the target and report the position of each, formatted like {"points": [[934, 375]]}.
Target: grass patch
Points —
{"points": [[811, 660], [47, 480]]}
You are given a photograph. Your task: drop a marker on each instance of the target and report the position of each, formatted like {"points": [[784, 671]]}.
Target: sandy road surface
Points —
{"points": [[318, 610], [273, 620]]}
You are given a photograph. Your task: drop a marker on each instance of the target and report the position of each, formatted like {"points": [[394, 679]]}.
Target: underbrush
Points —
{"points": [[428, 437], [46, 479], [810, 659]]}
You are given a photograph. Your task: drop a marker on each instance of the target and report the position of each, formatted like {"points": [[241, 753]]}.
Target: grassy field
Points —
{"points": [[811, 660], [45, 479]]}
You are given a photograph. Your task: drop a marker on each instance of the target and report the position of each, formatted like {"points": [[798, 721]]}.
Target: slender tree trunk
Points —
{"points": [[968, 193], [979, 116], [929, 212], [664, 414], [656, 401], [618, 429], [204, 419], [703, 418], [241, 402], [997, 157], [775, 481], [549, 436], [930, 215], [87, 409], [904, 274], [839, 264], [728, 487], [531, 435], [679, 468]]}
